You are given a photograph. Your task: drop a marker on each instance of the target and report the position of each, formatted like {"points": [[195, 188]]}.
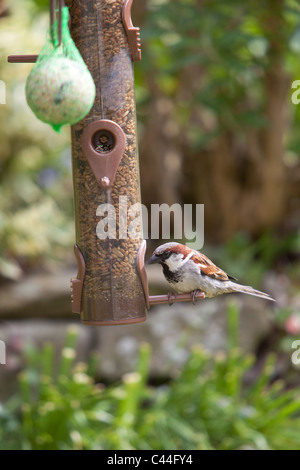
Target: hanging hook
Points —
{"points": [[53, 11], [26, 59]]}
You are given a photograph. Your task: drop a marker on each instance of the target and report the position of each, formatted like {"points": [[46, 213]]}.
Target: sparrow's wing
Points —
{"points": [[209, 268]]}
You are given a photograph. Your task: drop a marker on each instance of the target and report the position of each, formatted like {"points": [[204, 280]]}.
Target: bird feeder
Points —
{"points": [[111, 284], [105, 167]]}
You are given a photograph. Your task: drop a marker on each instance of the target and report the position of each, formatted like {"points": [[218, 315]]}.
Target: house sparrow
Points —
{"points": [[187, 270]]}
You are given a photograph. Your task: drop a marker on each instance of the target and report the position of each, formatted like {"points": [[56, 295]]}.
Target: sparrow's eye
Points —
{"points": [[165, 255]]}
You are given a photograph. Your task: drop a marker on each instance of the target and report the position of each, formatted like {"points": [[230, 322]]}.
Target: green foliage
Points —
{"points": [[36, 210], [212, 59], [219, 45], [251, 259], [207, 406], [55, 405], [44, 4]]}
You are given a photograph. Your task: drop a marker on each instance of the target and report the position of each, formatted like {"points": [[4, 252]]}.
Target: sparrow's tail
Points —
{"points": [[249, 290]]}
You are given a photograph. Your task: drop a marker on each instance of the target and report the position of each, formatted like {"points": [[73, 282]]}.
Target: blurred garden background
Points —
{"points": [[216, 126]]}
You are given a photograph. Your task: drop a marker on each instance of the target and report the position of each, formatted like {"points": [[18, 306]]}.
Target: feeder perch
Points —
{"points": [[111, 286]]}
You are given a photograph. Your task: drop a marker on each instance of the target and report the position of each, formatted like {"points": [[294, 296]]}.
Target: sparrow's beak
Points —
{"points": [[154, 259]]}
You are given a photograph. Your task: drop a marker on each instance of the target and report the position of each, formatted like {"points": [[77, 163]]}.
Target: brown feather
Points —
{"points": [[182, 249], [209, 268]]}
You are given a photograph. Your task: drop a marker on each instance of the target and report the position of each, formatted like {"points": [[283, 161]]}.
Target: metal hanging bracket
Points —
{"points": [[22, 59], [56, 13], [32, 58]]}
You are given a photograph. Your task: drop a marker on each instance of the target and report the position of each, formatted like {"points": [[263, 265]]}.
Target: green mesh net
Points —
{"points": [[60, 89]]}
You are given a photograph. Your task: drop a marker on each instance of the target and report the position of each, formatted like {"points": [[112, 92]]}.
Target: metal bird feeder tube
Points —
{"points": [[111, 286]]}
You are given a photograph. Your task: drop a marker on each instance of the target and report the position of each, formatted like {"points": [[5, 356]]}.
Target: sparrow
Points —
{"points": [[189, 271]]}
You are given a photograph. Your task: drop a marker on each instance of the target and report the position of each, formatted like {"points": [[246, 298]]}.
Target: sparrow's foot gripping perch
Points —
{"points": [[171, 297], [197, 294]]}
